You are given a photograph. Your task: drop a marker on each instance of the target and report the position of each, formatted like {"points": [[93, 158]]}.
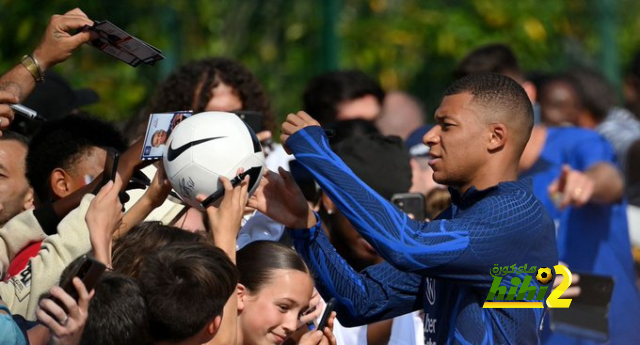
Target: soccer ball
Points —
{"points": [[206, 146], [544, 275]]}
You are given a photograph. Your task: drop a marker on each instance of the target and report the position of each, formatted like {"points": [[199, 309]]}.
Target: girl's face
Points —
{"points": [[223, 98], [272, 314]]}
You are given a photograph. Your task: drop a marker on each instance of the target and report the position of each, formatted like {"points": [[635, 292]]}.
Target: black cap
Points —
{"points": [[55, 98], [382, 162]]}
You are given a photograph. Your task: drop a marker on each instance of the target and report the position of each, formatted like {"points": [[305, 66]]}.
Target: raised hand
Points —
{"points": [[571, 188], [279, 197], [66, 326], [320, 337], [315, 308], [60, 40], [6, 113], [103, 217], [294, 123], [225, 219], [159, 188]]}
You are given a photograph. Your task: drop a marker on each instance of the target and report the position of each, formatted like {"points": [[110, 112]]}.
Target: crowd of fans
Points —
{"points": [[231, 275]]}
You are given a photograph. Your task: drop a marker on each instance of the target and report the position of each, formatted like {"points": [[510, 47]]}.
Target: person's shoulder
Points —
{"points": [[517, 196], [572, 134]]}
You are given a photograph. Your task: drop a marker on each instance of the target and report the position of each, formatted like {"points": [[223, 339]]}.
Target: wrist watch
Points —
{"points": [[32, 65]]}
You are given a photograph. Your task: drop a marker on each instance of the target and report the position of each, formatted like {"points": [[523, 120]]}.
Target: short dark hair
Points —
{"points": [[257, 260], [62, 142], [595, 92], [11, 135], [185, 286], [326, 91], [503, 98], [117, 313], [130, 250], [369, 154], [494, 58]]}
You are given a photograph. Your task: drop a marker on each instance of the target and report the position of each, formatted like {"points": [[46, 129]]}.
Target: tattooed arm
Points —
{"points": [[56, 45]]}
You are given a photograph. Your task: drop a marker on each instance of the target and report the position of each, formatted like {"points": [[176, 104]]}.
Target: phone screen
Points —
{"points": [[410, 203]]}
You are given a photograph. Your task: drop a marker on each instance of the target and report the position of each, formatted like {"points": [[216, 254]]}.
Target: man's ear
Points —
{"points": [[530, 89], [497, 137], [29, 200], [241, 293], [214, 326], [58, 181]]}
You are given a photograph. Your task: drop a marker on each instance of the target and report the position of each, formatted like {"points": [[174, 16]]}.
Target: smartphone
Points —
{"points": [[588, 316], [326, 314], [89, 270], [110, 169], [252, 118], [410, 203]]}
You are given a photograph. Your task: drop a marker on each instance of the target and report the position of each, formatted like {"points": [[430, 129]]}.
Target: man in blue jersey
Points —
{"points": [[578, 166], [442, 266]]}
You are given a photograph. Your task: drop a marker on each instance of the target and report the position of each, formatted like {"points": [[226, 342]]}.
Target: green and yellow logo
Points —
{"points": [[523, 294]]}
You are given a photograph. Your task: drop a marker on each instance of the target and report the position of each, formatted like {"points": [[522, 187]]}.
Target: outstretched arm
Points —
{"points": [[225, 224], [377, 293], [56, 45], [601, 183], [453, 248], [152, 198]]}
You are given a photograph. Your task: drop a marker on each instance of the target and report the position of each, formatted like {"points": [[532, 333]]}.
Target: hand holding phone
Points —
{"points": [[110, 169], [324, 320], [89, 270]]}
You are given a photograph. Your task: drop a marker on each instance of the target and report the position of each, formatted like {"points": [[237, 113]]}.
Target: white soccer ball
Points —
{"points": [[208, 145]]}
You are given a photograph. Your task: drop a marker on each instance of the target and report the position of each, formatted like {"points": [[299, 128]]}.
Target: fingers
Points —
{"points": [[311, 338], [76, 11], [6, 113], [264, 136], [104, 191], [286, 176], [289, 128], [71, 20], [226, 184], [8, 97], [161, 175], [571, 188], [52, 309], [118, 183], [328, 331], [67, 301], [84, 297], [307, 118], [46, 318]]}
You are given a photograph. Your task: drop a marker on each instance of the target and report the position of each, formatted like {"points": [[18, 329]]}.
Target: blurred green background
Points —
{"points": [[405, 44]]}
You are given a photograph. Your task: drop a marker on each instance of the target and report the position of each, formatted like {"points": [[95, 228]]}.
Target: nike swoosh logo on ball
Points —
{"points": [[174, 153]]}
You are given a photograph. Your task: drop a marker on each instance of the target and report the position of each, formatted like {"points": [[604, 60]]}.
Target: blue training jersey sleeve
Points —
{"points": [[461, 248], [379, 292], [444, 264]]}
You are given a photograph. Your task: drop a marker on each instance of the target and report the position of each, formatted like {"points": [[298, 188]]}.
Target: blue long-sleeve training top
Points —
{"points": [[442, 266]]}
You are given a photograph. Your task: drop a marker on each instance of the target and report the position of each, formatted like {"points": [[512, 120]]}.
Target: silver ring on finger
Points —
{"points": [[65, 320]]}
